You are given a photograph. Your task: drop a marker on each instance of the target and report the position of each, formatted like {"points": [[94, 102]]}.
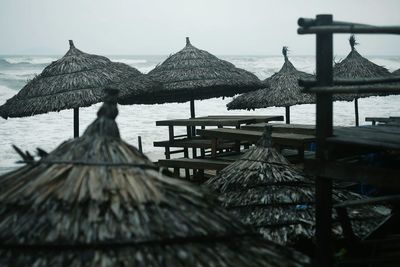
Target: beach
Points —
{"points": [[47, 131]]}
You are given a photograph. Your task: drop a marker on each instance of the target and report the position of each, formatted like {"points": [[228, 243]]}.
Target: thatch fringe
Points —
{"points": [[92, 202]]}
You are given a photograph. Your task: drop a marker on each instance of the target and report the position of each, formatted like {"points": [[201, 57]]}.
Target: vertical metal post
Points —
{"points": [[76, 122], [356, 111], [287, 114], [140, 144], [323, 186]]}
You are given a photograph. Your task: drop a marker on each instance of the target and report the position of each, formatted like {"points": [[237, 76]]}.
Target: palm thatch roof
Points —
{"points": [[76, 80], [97, 201], [396, 72], [264, 190], [356, 66], [282, 90], [192, 74]]}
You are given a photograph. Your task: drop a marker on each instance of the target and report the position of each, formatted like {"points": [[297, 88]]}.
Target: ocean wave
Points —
{"points": [[5, 93], [130, 61], [39, 60]]}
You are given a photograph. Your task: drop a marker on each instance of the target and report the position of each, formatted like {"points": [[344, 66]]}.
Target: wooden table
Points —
{"points": [[307, 129], [297, 141], [209, 121]]}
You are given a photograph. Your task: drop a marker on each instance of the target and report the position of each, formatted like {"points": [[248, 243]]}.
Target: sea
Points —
{"points": [[47, 131]]}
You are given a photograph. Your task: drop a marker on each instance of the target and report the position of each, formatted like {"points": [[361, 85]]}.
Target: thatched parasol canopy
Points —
{"points": [[76, 80], [356, 66], [282, 90], [97, 201], [193, 74], [264, 190]]}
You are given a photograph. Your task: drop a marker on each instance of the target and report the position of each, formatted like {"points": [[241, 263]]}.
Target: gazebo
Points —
{"points": [[97, 201], [193, 74], [281, 90], [75, 80]]}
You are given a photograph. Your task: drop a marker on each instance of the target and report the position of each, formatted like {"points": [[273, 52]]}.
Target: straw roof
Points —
{"points": [[396, 72], [356, 66], [282, 90], [264, 190], [97, 201], [192, 74], [76, 80]]}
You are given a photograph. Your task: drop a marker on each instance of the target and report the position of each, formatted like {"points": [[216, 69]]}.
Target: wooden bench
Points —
{"points": [[297, 141], [195, 143], [307, 129], [193, 164]]}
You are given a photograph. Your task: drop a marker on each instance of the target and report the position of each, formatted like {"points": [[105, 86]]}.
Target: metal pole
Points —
{"points": [[287, 114], [323, 186], [76, 122], [356, 111]]}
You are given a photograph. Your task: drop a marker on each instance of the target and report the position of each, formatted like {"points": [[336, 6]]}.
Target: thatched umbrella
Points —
{"points": [[76, 80], [356, 66], [192, 74], [264, 190], [282, 90], [97, 201]]}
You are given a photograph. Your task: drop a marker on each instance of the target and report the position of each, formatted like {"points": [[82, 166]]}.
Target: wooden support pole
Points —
{"points": [[76, 122], [287, 114], [140, 144], [324, 114], [356, 111], [192, 113]]}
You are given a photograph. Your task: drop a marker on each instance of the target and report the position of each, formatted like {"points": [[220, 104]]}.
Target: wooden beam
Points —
{"points": [[354, 172]]}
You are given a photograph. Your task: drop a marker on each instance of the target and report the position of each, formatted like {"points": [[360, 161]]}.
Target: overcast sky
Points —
{"points": [[223, 27]]}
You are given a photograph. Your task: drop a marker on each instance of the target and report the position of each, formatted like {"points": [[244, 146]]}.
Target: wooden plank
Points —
{"points": [[193, 143], [381, 137], [218, 121], [380, 177], [202, 164], [288, 139], [369, 201], [282, 128]]}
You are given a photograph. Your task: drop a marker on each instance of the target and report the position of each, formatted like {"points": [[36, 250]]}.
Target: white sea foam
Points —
{"points": [[30, 59], [129, 61], [49, 130]]}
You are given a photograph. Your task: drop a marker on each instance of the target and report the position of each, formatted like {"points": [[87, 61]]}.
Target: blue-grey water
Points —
{"points": [[49, 130]]}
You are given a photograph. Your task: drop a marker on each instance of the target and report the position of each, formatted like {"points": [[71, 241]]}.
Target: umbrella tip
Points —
{"points": [[109, 108], [71, 44], [285, 50], [266, 139], [188, 41], [352, 41]]}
